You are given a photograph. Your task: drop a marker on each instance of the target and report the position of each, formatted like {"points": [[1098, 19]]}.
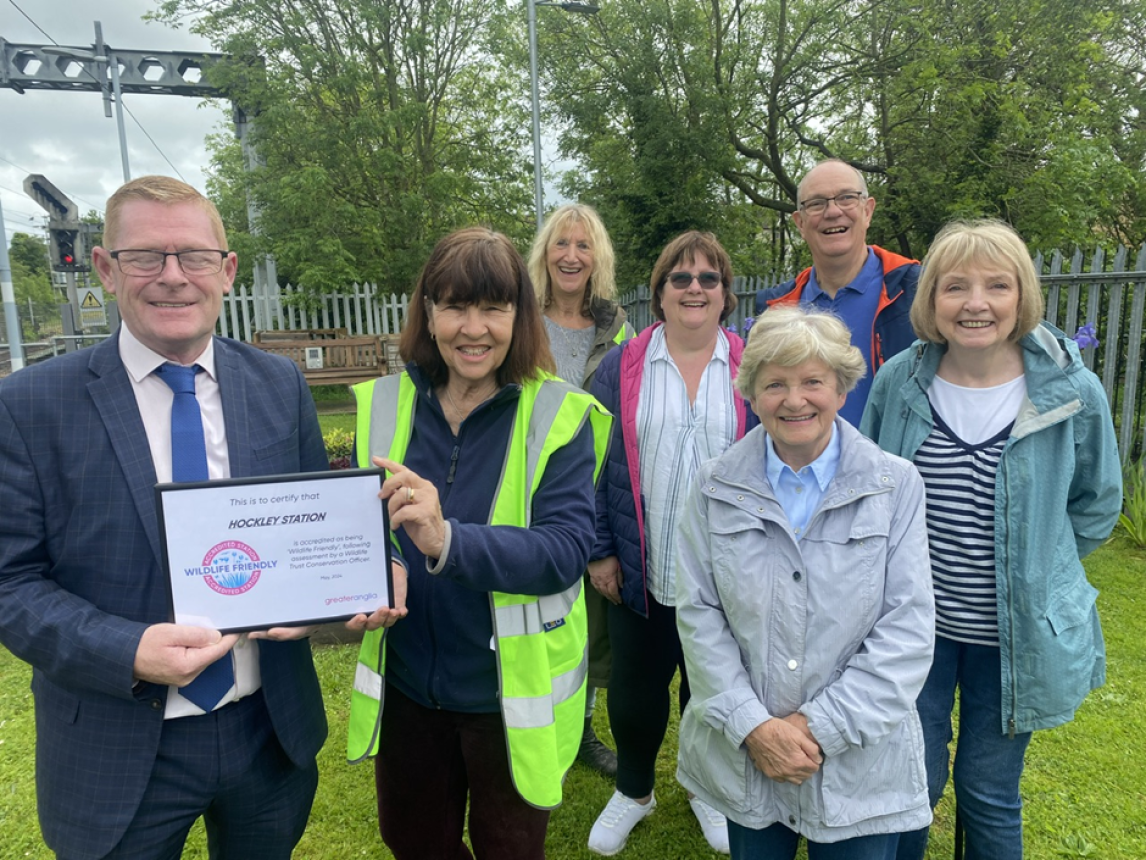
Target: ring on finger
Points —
{"points": [[409, 494]]}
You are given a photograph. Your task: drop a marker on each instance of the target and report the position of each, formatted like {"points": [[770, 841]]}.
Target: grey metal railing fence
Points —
{"points": [[1108, 292], [1105, 290]]}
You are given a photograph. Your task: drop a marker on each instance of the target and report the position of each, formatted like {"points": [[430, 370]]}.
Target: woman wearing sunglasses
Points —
{"points": [[671, 389]]}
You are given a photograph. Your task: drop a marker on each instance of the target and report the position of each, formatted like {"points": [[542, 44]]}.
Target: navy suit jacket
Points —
{"points": [[81, 577]]}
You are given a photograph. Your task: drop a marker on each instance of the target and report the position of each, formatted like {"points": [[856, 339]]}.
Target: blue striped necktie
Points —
{"points": [[189, 463]]}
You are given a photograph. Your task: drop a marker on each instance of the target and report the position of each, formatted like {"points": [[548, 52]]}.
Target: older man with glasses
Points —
{"points": [[868, 287], [142, 725]]}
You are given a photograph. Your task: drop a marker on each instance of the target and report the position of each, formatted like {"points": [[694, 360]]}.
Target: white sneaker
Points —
{"points": [[612, 828], [714, 825]]}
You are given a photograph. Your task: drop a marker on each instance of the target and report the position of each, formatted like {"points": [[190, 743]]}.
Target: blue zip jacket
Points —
{"points": [[891, 330], [1058, 493], [440, 654]]}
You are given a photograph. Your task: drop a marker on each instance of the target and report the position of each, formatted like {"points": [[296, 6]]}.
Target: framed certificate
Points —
{"points": [[278, 551]]}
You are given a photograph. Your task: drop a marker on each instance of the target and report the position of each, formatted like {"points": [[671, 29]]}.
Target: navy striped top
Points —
{"points": [[960, 481]]}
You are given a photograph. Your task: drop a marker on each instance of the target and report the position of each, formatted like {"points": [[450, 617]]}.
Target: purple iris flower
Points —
{"points": [[745, 327], [1086, 336]]}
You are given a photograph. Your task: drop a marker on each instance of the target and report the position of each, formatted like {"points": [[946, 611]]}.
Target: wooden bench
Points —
{"points": [[277, 335], [345, 360], [394, 362]]}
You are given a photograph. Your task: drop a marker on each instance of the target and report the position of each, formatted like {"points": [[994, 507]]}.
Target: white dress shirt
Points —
{"points": [[154, 398]]}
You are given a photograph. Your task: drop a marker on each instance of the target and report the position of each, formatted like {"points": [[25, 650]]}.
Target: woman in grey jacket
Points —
{"points": [[1014, 440], [806, 615]]}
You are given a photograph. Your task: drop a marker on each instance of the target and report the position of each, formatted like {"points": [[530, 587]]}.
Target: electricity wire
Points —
{"points": [[146, 133]]}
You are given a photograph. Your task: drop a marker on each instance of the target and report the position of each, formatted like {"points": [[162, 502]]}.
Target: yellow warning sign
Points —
{"points": [[93, 314]]}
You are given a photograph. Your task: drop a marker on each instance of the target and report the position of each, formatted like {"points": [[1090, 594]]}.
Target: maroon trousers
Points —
{"points": [[429, 763]]}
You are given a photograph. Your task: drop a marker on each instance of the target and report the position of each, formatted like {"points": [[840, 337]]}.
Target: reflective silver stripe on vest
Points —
{"points": [[384, 405], [368, 682], [536, 712], [550, 396], [526, 618]]}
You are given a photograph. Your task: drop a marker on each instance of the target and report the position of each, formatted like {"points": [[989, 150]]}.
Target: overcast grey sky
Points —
{"points": [[65, 135]]}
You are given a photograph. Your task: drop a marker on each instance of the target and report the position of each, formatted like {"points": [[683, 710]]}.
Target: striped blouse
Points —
{"points": [[674, 438], [960, 481]]}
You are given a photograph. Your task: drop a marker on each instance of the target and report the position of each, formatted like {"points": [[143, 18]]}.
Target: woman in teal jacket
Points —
{"points": [[1013, 437]]}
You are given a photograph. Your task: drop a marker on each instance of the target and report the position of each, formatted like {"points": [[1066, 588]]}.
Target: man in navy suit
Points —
{"points": [[125, 763]]}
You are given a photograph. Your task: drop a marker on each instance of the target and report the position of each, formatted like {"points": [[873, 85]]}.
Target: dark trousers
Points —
{"points": [[228, 767], [429, 762], [646, 655], [779, 843], [600, 654]]}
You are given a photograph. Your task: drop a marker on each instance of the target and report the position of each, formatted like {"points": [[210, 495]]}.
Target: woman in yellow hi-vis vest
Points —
{"points": [[478, 695]]}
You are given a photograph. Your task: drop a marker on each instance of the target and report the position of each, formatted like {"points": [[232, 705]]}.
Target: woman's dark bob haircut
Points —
{"points": [[468, 267], [685, 248]]}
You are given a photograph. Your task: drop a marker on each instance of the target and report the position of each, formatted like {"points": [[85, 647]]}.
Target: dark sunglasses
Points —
{"points": [[683, 280]]}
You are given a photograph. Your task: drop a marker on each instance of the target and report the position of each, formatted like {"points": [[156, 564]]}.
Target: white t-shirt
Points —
{"points": [[977, 414]]}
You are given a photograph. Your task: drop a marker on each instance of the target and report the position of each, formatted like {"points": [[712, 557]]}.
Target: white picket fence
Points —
{"points": [[361, 310]]}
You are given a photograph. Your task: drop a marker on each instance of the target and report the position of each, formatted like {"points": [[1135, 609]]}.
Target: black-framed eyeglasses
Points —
{"points": [[845, 201], [683, 280], [195, 261]]}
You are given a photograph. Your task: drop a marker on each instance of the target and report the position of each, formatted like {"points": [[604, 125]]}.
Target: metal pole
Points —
{"points": [[11, 315], [264, 270], [100, 58], [113, 61], [538, 198], [580, 8]]}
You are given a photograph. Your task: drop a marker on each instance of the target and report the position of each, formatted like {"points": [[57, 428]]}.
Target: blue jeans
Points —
{"points": [[988, 764], [779, 843]]}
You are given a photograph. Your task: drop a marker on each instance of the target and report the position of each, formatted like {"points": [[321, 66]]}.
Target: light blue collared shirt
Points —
{"points": [[799, 493]]}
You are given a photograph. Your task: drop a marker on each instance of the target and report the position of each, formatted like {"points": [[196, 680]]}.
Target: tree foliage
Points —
{"points": [[32, 279], [1029, 110], [380, 125], [31, 253], [1017, 110]]}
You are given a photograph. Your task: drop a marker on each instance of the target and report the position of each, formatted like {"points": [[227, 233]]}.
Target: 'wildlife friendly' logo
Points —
{"points": [[231, 567]]}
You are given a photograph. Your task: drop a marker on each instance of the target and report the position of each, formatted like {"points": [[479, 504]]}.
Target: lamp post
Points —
{"points": [[102, 58], [572, 6]]}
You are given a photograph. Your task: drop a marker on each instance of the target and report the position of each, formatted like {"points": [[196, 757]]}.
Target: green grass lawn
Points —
{"points": [[332, 395], [1085, 784], [338, 421]]}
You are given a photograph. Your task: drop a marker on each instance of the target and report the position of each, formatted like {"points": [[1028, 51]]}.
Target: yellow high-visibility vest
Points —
{"points": [[540, 641]]}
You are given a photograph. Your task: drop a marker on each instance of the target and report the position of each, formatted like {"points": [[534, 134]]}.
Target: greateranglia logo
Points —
{"points": [[231, 567]]}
